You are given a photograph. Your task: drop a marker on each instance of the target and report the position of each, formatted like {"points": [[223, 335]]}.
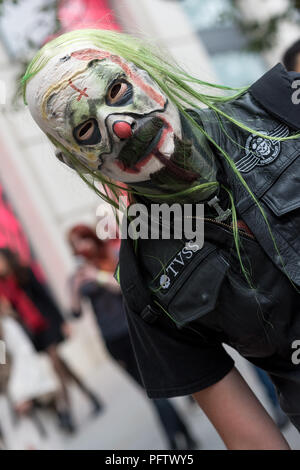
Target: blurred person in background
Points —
{"points": [[4, 375], [26, 378], [94, 280], [291, 57], [42, 320]]}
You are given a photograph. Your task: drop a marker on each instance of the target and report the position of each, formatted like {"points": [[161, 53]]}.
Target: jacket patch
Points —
{"points": [[177, 265], [261, 151]]}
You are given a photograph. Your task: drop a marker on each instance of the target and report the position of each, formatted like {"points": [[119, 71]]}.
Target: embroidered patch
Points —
{"points": [[165, 281], [176, 265], [261, 151]]}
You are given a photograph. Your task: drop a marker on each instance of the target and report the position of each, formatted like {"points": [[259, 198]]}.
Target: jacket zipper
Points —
{"points": [[225, 225]]}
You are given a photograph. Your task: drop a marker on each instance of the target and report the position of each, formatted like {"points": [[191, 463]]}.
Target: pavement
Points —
{"points": [[127, 421]]}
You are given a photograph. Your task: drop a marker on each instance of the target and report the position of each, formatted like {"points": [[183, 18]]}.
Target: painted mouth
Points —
{"points": [[142, 143]]}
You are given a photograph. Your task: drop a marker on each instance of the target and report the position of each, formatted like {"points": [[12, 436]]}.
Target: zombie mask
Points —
{"points": [[106, 112]]}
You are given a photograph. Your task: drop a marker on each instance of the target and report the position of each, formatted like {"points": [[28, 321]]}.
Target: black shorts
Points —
{"points": [[121, 350], [208, 303]]}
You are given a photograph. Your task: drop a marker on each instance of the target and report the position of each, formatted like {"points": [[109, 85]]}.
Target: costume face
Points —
{"points": [[261, 146], [106, 112]]}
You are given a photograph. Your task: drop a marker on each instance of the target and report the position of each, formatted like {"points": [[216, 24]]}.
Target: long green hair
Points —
{"points": [[184, 90]]}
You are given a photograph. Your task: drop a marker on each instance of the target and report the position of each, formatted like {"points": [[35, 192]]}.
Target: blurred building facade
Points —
{"points": [[47, 197]]}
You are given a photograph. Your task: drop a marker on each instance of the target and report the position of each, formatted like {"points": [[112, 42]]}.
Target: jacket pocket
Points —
{"points": [[284, 194], [246, 317], [196, 293]]}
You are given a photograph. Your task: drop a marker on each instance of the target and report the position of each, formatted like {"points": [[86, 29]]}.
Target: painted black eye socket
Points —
{"points": [[87, 133], [119, 94]]}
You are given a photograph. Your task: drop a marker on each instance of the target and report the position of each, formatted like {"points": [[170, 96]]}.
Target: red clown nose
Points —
{"points": [[122, 129]]}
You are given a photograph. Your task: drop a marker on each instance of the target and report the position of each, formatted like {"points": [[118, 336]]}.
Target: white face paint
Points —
{"points": [[105, 111]]}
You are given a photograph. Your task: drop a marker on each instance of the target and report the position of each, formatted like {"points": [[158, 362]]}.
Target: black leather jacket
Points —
{"points": [[207, 286], [271, 169]]}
